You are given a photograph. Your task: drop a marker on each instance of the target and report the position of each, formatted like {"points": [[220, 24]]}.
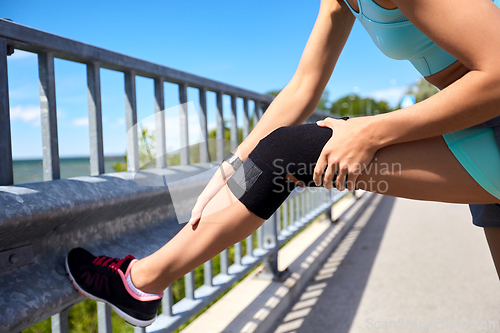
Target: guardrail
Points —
{"points": [[113, 213]]}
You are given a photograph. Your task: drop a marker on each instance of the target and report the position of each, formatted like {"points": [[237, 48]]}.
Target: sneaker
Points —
{"points": [[104, 279]]}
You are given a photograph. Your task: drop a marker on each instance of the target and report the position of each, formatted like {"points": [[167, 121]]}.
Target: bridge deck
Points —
{"points": [[420, 265]]}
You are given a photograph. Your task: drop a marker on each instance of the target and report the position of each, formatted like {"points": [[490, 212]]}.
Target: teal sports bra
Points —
{"points": [[399, 39]]}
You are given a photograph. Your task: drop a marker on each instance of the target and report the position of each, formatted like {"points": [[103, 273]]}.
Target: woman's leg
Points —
{"points": [[428, 170], [224, 222], [493, 238], [423, 169]]}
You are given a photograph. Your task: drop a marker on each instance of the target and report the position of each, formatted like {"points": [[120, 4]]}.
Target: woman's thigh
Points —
{"points": [[424, 170]]}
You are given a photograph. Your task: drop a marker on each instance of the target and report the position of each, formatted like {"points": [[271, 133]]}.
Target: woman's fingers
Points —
{"points": [[195, 218], [321, 164], [214, 185], [325, 123], [341, 178], [353, 174], [197, 210], [329, 174], [329, 121], [352, 178]]}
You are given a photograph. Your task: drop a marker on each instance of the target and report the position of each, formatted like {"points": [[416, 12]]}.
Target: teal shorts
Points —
{"points": [[479, 153]]}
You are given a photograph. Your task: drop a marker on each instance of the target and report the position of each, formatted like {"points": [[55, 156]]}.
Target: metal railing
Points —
{"points": [[40, 222]]}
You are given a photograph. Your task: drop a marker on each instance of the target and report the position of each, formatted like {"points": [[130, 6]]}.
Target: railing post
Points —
{"points": [[303, 201], [167, 302], [189, 285], [249, 245], [291, 217], [183, 118], [59, 322], [48, 115], [258, 110], [309, 200], [237, 253], [104, 318], [204, 154], [270, 263], [161, 149], [6, 173], [260, 238], [220, 128], [234, 145], [208, 272], [278, 221], [285, 215], [234, 124], [246, 120], [224, 262], [299, 208], [296, 204], [131, 122], [95, 119]]}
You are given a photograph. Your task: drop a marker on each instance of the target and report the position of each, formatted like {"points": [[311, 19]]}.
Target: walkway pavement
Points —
{"points": [[405, 266]]}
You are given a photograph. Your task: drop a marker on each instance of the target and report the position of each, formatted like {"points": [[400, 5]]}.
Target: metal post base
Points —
{"points": [[270, 270]]}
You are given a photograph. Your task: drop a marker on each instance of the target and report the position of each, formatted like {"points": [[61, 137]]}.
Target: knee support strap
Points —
{"points": [[260, 182]]}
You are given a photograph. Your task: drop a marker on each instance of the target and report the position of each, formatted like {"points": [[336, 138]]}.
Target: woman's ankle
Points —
{"points": [[142, 281]]}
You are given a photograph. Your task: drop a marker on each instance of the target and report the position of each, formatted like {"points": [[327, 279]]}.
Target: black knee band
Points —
{"points": [[260, 182]]}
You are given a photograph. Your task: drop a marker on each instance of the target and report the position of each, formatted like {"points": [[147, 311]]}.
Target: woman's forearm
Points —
{"points": [[299, 98], [469, 101]]}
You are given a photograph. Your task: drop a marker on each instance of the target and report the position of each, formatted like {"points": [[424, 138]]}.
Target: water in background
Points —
{"points": [[29, 171]]}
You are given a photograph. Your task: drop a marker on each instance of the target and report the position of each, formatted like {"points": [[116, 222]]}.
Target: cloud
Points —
{"points": [[391, 95], [26, 113], [80, 122]]}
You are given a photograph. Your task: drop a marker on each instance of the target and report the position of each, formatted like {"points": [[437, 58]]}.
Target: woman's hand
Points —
{"points": [[219, 179], [350, 149]]}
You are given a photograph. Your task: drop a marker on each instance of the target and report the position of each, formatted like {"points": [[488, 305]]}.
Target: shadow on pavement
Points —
{"points": [[330, 301]]}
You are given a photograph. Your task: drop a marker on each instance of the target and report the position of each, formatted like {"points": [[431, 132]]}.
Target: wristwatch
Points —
{"points": [[234, 160]]}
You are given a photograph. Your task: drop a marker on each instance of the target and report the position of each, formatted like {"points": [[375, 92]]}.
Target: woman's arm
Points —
{"points": [[298, 100], [469, 30]]}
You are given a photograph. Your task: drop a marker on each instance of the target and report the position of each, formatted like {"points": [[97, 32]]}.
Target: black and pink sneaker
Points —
{"points": [[107, 279]]}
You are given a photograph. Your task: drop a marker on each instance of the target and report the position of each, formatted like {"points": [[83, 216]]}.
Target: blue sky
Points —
{"points": [[254, 45]]}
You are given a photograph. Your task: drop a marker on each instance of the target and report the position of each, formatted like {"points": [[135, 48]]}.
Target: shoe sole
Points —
{"points": [[129, 319]]}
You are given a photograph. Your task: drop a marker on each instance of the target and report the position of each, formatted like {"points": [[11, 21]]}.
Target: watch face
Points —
{"points": [[232, 159]]}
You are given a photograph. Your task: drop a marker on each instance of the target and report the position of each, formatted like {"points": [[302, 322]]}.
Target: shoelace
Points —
{"points": [[110, 262]]}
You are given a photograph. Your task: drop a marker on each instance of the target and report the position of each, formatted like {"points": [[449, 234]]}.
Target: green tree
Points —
{"points": [[422, 90], [273, 92], [323, 104], [147, 151], [354, 105], [212, 135]]}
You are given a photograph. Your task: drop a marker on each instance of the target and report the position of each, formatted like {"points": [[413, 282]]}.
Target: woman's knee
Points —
{"points": [[275, 139], [272, 146], [292, 149], [293, 143]]}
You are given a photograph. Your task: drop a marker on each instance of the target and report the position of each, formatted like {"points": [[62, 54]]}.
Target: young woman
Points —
{"points": [[447, 146]]}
